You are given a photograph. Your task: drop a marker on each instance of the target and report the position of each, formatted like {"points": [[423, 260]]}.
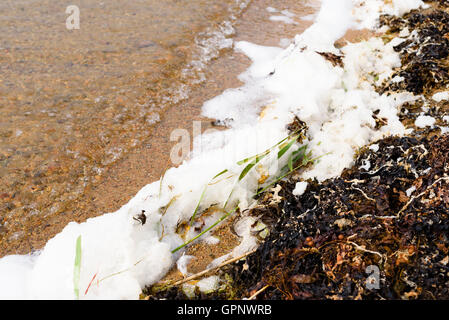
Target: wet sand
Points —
{"points": [[148, 159]]}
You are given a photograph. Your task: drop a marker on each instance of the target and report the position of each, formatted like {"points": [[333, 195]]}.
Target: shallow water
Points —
{"points": [[74, 103]]}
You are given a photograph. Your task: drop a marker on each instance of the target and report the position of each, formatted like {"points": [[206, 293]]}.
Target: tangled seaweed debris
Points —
{"points": [[392, 217], [424, 70], [328, 237], [390, 212], [424, 53]]}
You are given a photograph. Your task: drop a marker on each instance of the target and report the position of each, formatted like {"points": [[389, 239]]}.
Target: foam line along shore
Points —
{"points": [[330, 90]]}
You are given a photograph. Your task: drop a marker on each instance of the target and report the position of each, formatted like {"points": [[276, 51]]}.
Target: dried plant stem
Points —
{"points": [[358, 247], [445, 178], [199, 274], [258, 292]]}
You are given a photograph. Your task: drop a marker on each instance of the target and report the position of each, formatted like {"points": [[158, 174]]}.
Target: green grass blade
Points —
{"points": [[198, 206], [202, 196], [288, 146], [262, 154], [77, 268], [305, 160], [227, 200], [268, 150], [219, 174], [250, 166], [290, 162], [294, 158], [246, 170]]}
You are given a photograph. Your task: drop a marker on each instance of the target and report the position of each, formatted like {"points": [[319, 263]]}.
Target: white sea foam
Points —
{"points": [[300, 188], [208, 45], [440, 96], [282, 18], [423, 121], [119, 255]]}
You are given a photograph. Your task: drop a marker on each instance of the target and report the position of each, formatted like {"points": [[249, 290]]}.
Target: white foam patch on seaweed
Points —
{"points": [[300, 188], [367, 12], [120, 255], [440, 96], [423, 121]]}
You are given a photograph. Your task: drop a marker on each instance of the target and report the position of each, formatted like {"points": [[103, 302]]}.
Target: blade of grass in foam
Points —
{"points": [[259, 157], [77, 268], [278, 179], [304, 162], [227, 200], [250, 166], [290, 163], [202, 196], [295, 156], [287, 147], [119, 272], [264, 153], [227, 214], [281, 152]]}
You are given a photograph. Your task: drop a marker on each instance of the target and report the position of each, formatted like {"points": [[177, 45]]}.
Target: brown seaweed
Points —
{"points": [[329, 236], [424, 56]]}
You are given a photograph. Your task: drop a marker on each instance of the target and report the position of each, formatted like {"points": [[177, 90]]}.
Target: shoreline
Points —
{"points": [[326, 99], [75, 101], [378, 230], [121, 181]]}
